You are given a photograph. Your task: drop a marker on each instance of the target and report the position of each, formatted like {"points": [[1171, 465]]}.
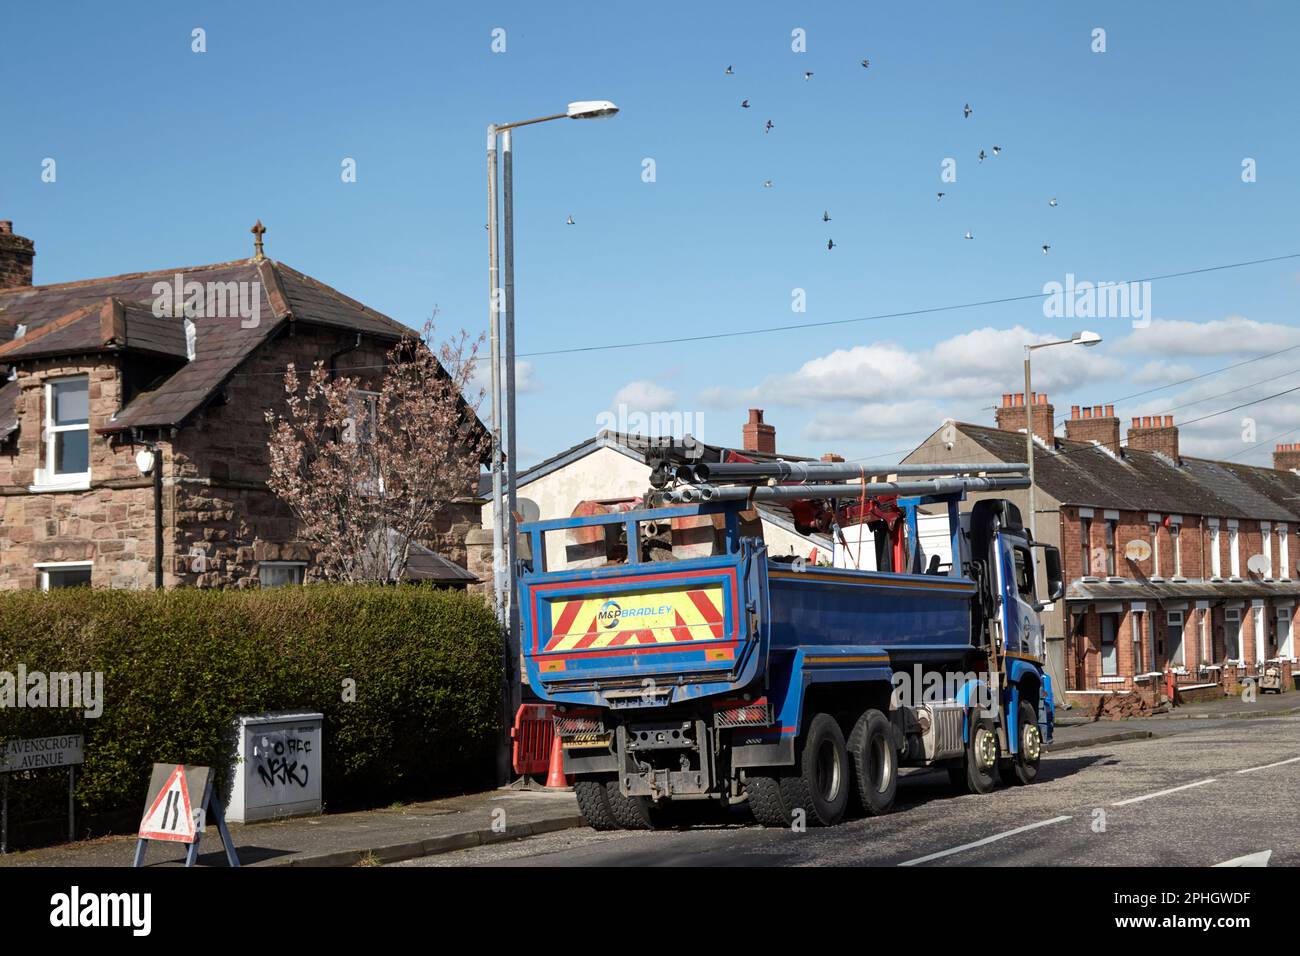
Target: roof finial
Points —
{"points": [[258, 231]]}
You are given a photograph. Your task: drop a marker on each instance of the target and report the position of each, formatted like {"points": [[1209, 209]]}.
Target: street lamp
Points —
{"points": [[1086, 339], [504, 544]]}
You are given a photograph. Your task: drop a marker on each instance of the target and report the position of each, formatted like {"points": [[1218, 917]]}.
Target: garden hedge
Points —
{"points": [[179, 665]]}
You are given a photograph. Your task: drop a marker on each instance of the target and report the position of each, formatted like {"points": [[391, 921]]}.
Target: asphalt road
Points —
{"points": [[1213, 792]]}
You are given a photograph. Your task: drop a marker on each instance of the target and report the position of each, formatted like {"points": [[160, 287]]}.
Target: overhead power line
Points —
{"points": [[910, 313]]}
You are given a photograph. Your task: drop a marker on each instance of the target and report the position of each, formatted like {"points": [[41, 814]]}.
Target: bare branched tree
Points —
{"points": [[367, 473]]}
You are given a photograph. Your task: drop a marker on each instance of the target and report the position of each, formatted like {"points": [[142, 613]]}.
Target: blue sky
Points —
{"points": [[165, 157]]}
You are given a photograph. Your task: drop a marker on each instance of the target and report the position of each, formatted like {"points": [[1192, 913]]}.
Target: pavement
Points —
{"points": [[468, 829]]}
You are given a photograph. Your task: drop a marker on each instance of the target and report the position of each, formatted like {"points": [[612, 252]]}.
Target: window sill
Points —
{"points": [[64, 483]]}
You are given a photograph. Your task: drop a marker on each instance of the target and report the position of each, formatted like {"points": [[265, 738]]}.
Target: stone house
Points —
{"points": [[1173, 565], [91, 376]]}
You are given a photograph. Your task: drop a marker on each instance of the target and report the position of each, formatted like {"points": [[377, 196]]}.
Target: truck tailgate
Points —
{"points": [[664, 624]]}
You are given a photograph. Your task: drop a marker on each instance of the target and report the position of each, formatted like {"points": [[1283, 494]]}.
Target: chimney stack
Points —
{"points": [[1011, 415], [833, 458], [1152, 433], [759, 436], [16, 254], [1287, 457], [1095, 423]]}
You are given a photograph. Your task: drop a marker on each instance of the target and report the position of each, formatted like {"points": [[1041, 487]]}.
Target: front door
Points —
{"points": [[1109, 646]]}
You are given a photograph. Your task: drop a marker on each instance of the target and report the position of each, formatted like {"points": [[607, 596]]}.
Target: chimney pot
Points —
{"points": [[1169, 421], [1074, 411], [758, 435], [1110, 411]]}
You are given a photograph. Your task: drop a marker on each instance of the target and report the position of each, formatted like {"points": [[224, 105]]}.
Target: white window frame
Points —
{"points": [[300, 565], [1207, 652], [1155, 550], [1176, 619], [1234, 550], [1266, 540], [1284, 551], [44, 568], [1285, 635], [1216, 554], [1232, 621], [1261, 637], [1111, 533], [45, 478], [1176, 542]]}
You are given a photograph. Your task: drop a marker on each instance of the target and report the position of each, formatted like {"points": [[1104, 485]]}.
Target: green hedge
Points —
{"points": [[179, 665]]}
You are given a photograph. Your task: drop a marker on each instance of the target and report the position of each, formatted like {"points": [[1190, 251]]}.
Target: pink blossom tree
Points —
{"points": [[366, 472]]}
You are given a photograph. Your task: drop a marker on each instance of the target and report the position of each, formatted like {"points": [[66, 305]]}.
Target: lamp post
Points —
{"points": [[502, 297], [1086, 339]]}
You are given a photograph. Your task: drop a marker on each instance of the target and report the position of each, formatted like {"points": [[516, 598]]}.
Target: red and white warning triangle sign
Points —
{"points": [[169, 817]]}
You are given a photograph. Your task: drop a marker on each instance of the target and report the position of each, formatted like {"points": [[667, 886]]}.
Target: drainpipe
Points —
{"points": [[340, 353], [157, 518]]}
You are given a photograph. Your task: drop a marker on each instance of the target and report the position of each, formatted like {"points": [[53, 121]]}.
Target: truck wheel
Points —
{"points": [[980, 771], [1022, 767], [765, 800], [631, 813], [820, 781], [875, 761], [594, 804]]}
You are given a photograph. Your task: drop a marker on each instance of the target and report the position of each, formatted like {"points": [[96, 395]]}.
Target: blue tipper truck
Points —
{"points": [[746, 677]]}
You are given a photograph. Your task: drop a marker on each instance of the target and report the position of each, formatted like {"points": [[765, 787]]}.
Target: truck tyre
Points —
{"points": [[819, 783], [594, 804], [1022, 767], [765, 800], [875, 762], [978, 773], [630, 813]]}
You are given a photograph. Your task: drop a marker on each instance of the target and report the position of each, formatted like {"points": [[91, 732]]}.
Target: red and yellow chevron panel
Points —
{"points": [[661, 617]]}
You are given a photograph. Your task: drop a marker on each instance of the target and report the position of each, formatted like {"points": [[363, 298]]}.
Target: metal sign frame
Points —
{"points": [[159, 782]]}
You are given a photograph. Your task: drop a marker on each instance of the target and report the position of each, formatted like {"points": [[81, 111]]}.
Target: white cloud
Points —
{"points": [[525, 377], [975, 366], [645, 396], [1234, 335], [1160, 372]]}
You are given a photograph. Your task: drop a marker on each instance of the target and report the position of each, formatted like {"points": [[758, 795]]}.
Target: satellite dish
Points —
{"points": [[1137, 550], [1257, 564]]}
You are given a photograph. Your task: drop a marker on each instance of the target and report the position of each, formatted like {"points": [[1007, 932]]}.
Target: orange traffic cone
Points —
{"points": [[555, 778]]}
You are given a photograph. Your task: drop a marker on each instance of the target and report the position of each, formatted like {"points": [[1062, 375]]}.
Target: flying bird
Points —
{"points": [[729, 71], [1052, 201], [569, 222], [968, 236], [938, 197], [966, 111], [981, 155], [767, 184], [744, 104], [830, 244], [865, 64], [767, 128], [1045, 248], [997, 150], [807, 74], [826, 216]]}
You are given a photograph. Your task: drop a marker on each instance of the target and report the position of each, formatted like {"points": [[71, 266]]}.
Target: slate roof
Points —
{"points": [[1179, 590], [69, 318], [1081, 473]]}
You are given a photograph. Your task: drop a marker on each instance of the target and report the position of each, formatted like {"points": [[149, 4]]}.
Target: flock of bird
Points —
{"points": [[966, 113], [768, 126]]}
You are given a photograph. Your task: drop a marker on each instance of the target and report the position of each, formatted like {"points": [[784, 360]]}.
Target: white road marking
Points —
{"points": [[1250, 859], [1161, 793], [983, 842], [1268, 765]]}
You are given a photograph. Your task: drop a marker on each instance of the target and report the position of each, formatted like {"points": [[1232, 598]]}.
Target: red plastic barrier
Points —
{"points": [[533, 732]]}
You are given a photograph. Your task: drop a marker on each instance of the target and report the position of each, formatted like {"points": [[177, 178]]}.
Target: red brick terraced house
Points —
{"points": [[90, 376], [1173, 565]]}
